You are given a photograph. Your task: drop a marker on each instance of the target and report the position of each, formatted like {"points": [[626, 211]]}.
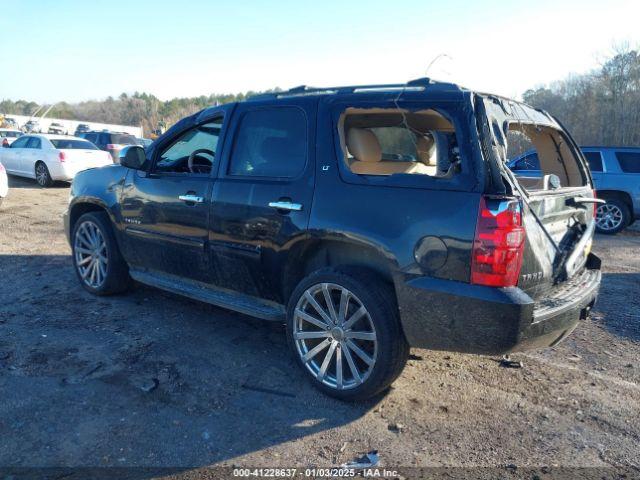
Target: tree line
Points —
{"points": [[601, 107], [139, 109]]}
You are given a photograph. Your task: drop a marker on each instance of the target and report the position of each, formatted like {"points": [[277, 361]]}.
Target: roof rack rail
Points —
{"points": [[417, 84]]}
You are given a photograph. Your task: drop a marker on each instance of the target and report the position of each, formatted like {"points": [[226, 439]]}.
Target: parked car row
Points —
{"points": [[47, 158], [616, 174]]}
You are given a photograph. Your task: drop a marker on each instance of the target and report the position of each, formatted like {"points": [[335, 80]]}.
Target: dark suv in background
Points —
{"points": [[369, 219], [616, 173], [111, 142]]}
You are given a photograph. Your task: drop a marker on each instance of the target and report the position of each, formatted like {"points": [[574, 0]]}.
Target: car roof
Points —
{"points": [[417, 85]]}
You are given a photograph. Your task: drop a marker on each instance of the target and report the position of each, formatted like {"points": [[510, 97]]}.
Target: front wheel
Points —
{"points": [[612, 217], [43, 177], [96, 257], [344, 330]]}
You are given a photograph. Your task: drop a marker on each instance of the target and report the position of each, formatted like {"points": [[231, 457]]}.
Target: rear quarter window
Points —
{"points": [[629, 161], [594, 159], [270, 142]]}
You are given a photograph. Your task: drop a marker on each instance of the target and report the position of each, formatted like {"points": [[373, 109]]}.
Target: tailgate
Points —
{"points": [[558, 241], [557, 196]]}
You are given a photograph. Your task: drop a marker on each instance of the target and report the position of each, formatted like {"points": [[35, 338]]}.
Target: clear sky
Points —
{"points": [[89, 49]]}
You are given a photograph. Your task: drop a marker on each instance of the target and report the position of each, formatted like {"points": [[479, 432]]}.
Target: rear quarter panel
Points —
{"points": [[395, 220]]}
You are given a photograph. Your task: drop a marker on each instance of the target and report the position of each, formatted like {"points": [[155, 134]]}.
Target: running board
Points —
{"points": [[203, 292]]}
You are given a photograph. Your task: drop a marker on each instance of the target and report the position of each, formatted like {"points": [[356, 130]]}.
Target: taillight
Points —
{"points": [[62, 156], [5, 143], [1, 168], [595, 205], [112, 146], [498, 245]]}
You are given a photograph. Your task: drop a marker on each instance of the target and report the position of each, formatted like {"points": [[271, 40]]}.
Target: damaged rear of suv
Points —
{"points": [[369, 219]]}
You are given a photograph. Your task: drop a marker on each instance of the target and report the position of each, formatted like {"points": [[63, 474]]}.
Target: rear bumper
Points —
{"points": [[455, 316], [68, 172]]}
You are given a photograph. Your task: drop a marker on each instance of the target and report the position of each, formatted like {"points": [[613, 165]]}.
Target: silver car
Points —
{"points": [[616, 175]]}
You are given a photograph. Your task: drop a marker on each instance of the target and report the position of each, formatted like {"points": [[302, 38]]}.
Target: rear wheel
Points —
{"points": [[96, 257], [612, 217], [344, 331], [43, 177]]}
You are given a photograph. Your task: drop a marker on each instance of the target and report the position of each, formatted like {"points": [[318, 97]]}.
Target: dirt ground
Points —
{"points": [[152, 379]]}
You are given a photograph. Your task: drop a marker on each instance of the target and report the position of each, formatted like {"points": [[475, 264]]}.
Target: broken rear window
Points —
{"points": [[542, 158], [384, 142]]}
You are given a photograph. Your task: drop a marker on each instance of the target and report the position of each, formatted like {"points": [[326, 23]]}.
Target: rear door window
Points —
{"points": [[595, 161], [629, 161], [270, 142], [34, 143]]}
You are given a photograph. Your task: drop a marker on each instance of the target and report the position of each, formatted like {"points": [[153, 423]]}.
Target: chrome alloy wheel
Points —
{"points": [[608, 216], [42, 175], [335, 336], [90, 250]]}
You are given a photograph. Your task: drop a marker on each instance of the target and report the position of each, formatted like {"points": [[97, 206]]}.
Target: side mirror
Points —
{"points": [[132, 156]]}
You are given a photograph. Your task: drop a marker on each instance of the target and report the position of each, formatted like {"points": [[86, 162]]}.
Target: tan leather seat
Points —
{"points": [[365, 148], [426, 147]]}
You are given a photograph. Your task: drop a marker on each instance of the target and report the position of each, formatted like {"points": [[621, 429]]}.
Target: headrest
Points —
{"points": [[425, 145], [364, 145]]}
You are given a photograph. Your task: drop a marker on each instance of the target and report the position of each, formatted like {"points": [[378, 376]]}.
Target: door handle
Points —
{"points": [[284, 205], [191, 198]]}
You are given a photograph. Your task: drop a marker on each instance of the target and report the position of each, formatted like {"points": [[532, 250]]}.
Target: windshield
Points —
{"points": [[64, 144]]}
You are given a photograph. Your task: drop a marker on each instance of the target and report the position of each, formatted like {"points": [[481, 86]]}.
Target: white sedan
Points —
{"points": [[51, 157], [4, 183]]}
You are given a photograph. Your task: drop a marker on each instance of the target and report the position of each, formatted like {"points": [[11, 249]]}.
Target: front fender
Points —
{"points": [[97, 189]]}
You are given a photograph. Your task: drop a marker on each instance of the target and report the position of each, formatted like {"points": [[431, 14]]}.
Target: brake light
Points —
{"points": [[112, 146], [498, 245], [62, 156]]}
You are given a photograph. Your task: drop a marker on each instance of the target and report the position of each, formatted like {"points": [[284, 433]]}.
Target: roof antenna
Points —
{"points": [[435, 59]]}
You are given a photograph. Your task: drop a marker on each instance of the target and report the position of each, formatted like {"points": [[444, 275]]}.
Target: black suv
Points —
{"points": [[111, 142], [369, 219]]}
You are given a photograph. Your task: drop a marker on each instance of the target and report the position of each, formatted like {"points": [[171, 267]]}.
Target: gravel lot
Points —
{"points": [[152, 379]]}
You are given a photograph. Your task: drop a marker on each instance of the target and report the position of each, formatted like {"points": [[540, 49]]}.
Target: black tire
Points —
{"points": [[116, 278], [617, 206], [43, 177], [378, 298]]}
